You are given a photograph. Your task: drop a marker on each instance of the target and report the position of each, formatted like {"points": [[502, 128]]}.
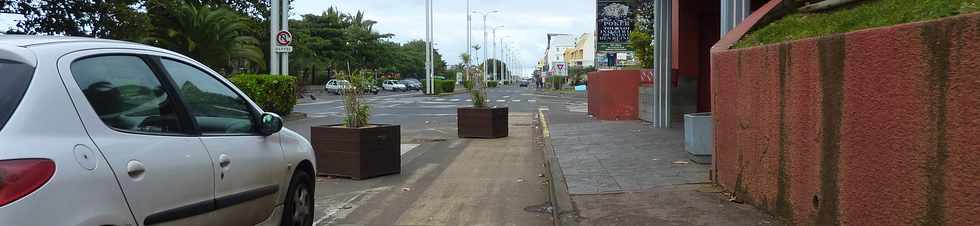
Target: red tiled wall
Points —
{"points": [[875, 127]]}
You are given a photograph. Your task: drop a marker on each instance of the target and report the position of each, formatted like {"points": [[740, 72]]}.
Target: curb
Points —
{"points": [[563, 210]]}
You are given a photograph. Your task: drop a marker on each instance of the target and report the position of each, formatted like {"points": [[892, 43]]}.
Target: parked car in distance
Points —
{"points": [[525, 83], [336, 86], [393, 85], [411, 84], [140, 136]]}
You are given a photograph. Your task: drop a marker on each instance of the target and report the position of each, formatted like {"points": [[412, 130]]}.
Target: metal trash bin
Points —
{"points": [[699, 137]]}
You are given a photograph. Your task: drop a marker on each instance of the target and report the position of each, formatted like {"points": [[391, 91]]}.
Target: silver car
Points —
{"points": [[102, 132]]}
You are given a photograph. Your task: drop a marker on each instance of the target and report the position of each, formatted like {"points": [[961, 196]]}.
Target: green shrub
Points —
{"points": [[492, 84], [274, 93], [445, 86], [557, 81], [506, 82], [442, 86], [468, 85]]}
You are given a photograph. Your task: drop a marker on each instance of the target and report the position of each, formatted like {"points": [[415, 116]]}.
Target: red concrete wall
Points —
{"points": [[875, 127], [612, 95]]}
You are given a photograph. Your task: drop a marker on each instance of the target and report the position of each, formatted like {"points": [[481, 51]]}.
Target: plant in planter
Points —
{"points": [[357, 149], [480, 121]]}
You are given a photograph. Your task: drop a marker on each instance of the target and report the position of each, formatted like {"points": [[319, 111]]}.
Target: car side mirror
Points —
{"points": [[269, 123]]}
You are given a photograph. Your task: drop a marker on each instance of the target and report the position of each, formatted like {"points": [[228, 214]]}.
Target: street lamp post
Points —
{"points": [[429, 53], [469, 31], [485, 14], [496, 63]]}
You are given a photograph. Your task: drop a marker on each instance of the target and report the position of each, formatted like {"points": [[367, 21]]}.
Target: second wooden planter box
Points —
{"points": [[488, 123], [358, 153]]}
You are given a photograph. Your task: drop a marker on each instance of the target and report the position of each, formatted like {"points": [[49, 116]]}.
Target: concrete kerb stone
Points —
{"points": [[563, 209]]}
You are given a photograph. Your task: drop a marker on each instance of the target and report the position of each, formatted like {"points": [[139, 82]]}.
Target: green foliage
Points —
{"points": [[877, 13], [275, 93], [213, 36], [357, 113], [479, 99], [640, 41], [442, 86], [506, 82], [492, 84], [557, 81], [445, 86], [468, 85], [493, 66]]}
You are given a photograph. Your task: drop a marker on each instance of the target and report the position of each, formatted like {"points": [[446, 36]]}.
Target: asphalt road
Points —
{"points": [[445, 180]]}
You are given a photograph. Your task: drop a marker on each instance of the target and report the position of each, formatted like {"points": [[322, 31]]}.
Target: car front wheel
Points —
{"points": [[298, 210]]}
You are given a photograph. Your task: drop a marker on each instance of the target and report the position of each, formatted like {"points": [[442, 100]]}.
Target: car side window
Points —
{"points": [[126, 94], [216, 108]]}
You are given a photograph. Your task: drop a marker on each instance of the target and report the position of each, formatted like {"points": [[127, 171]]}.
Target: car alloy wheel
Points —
{"points": [[299, 201]]}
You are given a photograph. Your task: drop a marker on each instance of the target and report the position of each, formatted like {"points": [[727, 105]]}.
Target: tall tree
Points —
{"points": [[215, 36], [115, 19]]}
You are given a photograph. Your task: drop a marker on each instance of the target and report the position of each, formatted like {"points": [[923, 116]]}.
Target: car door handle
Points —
{"points": [[224, 161], [135, 169]]}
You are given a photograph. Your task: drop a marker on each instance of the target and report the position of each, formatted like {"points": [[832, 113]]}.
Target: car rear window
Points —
{"points": [[13, 84]]}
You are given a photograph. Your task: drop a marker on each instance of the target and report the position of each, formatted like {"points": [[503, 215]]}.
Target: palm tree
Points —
{"points": [[213, 36]]}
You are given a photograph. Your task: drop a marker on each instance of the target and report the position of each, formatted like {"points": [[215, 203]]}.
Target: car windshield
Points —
{"points": [[13, 84], [343, 83]]}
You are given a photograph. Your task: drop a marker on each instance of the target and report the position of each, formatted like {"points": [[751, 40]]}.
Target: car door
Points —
{"points": [[250, 168], [134, 118]]}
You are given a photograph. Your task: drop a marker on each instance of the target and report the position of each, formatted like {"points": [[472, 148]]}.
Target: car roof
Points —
{"points": [[32, 40], [16, 47]]}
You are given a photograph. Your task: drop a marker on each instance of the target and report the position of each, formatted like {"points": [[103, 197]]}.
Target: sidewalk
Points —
{"points": [[629, 173], [455, 182]]}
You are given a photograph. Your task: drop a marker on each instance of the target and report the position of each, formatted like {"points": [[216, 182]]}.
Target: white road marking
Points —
{"points": [[505, 97], [408, 147], [440, 99], [469, 100], [454, 100], [532, 100], [515, 101], [501, 101]]}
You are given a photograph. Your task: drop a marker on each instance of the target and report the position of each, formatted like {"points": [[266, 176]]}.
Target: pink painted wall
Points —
{"points": [[875, 127]]}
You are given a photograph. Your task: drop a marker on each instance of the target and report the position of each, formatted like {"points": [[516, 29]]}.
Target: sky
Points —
{"points": [[526, 22]]}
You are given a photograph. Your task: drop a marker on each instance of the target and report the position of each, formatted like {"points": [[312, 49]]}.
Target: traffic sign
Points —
{"points": [[560, 69], [284, 38]]}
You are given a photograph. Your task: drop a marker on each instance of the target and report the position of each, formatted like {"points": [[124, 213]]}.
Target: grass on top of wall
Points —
{"points": [[863, 15]]}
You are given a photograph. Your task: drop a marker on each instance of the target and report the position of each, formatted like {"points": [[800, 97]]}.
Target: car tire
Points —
{"points": [[298, 208]]}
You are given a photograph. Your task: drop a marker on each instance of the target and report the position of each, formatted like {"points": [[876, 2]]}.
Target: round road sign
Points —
{"points": [[284, 38]]}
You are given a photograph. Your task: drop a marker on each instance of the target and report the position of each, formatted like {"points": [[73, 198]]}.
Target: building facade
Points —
{"points": [[583, 55]]}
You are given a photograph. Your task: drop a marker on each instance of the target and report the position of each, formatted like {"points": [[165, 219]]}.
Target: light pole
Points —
{"points": [[496, 63], [485, 13], [469, 31], [429, 55]]}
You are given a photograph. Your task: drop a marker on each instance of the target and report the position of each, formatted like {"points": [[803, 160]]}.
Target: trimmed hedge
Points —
{"points": [[492, 84], [274, 93], [442, 86], [507, 82], [468, 85], [445, 86]]}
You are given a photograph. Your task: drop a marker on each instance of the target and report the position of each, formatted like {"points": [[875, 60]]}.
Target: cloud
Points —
{"points": [[526, 22]]}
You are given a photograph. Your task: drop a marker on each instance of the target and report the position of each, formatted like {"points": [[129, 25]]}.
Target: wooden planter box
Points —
{"points": [[358, 153], [488, 123]]}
